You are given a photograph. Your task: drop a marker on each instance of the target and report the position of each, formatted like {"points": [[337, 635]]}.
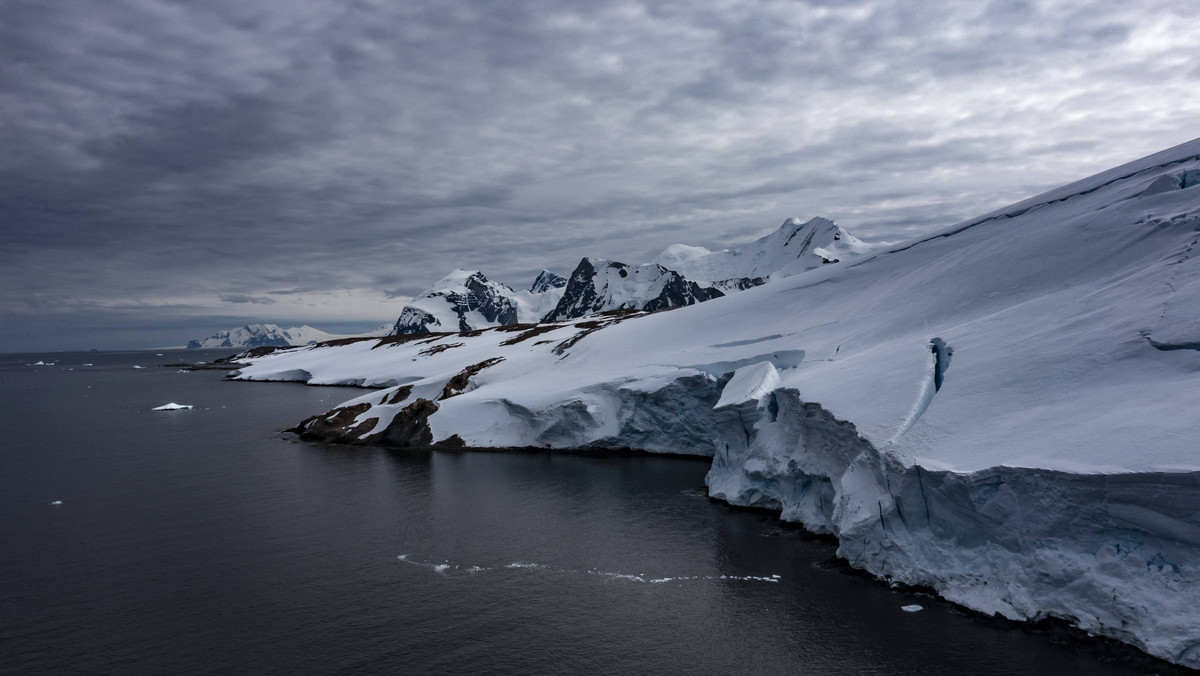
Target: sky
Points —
{"points": [[169, 168]]}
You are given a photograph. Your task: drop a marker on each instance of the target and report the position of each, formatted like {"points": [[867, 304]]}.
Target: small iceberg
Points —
{"points": [[56, 502], [912, 609], [173, 407], [42, 363], [138, 367]]}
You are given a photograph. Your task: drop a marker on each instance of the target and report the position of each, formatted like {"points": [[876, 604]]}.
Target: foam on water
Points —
{"points": [[449, 566]]}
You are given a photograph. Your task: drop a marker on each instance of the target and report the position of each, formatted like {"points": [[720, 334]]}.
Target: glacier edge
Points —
{"points": [[1112, 554]]}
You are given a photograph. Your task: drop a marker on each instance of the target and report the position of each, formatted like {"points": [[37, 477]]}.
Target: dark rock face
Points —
{"points": [[547, 280], [581, 294], [481, 296], [679, 292], [593, 285], [412, 320], [335, 426], [739, 283], [410, 427]]}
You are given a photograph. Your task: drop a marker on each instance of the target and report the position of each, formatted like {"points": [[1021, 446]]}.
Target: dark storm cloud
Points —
{"points": [[238, 298], [165, 162]]}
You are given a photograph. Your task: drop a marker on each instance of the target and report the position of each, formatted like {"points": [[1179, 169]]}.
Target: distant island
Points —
{"points": [[268, 335]]}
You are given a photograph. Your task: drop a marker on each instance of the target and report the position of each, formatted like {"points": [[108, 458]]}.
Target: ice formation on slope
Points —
{"points": [[1004, 411]]}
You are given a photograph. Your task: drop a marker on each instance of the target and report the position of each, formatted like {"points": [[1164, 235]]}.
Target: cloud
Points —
{"points": [[158, 150], [241, 298]]}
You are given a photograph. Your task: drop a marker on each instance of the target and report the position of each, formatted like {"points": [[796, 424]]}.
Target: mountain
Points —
{"points": [[793, 248], [259, 335], [682, 275], [598, 285], [466, 300], [546, 281], [1003, 412]]}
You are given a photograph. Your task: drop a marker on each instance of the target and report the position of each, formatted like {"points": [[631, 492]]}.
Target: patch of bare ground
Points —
{"points": [[533, 330], [388, 341], [430, 351], [459, 382], [335, 426], [398, 396], [338, 342], [590, 326]]}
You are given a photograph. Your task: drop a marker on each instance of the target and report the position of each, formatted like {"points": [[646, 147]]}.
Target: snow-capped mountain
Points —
{"points": [[793, 248], [466, 300], [1004, 412], [682, 275], [546, 281], [598, 285], [259, 335]]}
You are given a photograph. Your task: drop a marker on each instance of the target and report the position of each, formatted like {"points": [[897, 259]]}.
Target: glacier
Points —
{"points": [[1003, 411]]}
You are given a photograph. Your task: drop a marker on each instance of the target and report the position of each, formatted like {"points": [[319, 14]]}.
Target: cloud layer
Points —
{"points": [[166, 162]]}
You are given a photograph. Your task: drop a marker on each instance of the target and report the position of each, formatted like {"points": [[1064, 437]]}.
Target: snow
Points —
{"points": [[791, 249], [1004, 411], [255, 335], [173, 407]]}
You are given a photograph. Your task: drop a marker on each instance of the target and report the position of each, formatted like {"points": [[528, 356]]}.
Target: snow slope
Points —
{"points": [[1005, 411]]}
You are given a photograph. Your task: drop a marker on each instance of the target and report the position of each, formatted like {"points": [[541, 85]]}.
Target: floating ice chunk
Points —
{"points": [[441, 567], [56, 502], [89, 364], [138, 367], [173, 407], [912, 608], [42, 363]]}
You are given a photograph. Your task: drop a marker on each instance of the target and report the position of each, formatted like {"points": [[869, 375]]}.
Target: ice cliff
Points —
{"points": [[1004, 411]]}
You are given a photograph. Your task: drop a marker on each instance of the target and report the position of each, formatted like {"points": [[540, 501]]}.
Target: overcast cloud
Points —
{"points": [[169, 169]]}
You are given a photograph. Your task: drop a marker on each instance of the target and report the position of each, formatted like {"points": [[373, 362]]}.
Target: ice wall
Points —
{"points": [[1115, 554]]}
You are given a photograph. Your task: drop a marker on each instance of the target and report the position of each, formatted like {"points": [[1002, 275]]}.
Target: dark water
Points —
{"points": [[206, 541]]}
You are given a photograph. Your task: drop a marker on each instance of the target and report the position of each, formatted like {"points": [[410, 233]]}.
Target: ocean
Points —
{"points": [[210, 541]]}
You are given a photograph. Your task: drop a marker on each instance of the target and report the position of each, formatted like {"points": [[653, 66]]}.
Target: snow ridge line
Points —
{"points": [[1020, 212]]}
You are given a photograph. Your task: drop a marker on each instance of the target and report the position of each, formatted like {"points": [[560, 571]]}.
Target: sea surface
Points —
{"points": [[210, 541]]}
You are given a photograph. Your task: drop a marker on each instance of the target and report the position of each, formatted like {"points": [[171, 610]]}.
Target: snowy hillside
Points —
{"points": [[259, 335], [1005, 411]]}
